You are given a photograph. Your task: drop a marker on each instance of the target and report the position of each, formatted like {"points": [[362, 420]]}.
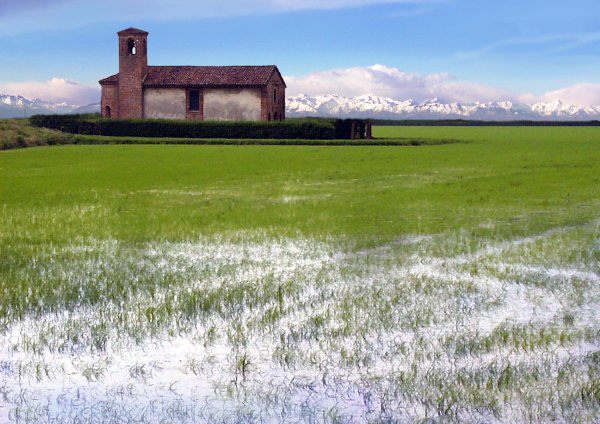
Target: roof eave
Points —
{"points": [[113, 79], [177, 85], [132, 31]]}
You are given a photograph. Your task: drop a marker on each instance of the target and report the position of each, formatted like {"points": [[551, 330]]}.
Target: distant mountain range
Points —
{"points": [[370, 106], [20, 107], [366, 106]]}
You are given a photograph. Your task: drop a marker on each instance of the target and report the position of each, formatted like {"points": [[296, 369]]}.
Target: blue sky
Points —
{"points": [[461, 50]]}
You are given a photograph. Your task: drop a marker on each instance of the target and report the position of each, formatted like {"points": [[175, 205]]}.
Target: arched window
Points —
{"points": [[269, 116], [107, 111], [131, 47]]}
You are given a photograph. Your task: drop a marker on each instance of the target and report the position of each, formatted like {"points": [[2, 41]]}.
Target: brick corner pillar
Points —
{"points": [[133, 67], [264, 104]]}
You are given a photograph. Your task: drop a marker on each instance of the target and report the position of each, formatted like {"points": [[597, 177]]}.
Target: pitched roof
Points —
{"points": [[132, 31], [169, 76], [113, 79], [201, 76]]}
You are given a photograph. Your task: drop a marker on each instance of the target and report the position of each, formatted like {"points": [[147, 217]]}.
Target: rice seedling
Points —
{"points": [[125, 301]]}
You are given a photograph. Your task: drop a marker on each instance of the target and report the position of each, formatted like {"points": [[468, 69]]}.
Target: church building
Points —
{"points": [[224, 93]]}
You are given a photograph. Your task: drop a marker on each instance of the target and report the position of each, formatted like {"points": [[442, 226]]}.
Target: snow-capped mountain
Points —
{"points": [[370, 106], [19, 107], [366, 106]]}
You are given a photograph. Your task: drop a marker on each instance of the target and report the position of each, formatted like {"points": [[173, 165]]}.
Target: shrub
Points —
{"points": [[17, 133], [74, 124], [307, 128]]}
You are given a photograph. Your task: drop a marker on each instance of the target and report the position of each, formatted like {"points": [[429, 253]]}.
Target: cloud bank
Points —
{"points": [[186, 9], [57, 90], [579, 94], [391, 82], [395, 83], [16, 16], [379, 80]]}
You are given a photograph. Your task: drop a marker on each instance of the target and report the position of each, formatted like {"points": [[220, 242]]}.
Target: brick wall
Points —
{"points": [[273, 107], [110, 99], [132, 71]]}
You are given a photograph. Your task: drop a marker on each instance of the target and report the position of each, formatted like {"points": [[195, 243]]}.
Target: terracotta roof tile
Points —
{"points": [[203, 76], [171, 76], [113, 79]]}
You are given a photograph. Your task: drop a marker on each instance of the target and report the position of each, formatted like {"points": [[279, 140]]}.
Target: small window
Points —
{"points": [[275, 95], [131, 47], [107, 111], [194, 100]]}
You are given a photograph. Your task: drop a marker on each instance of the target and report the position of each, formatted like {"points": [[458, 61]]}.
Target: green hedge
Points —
{"points": [[99, 140], [307, 129]]}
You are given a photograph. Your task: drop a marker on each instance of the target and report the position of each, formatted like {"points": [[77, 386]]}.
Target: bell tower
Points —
{"points": [[133, 67]]}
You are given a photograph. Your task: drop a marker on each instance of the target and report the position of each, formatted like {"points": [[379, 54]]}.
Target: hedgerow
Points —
{"points": [[17, 133], [307, 129], [99, 140]]}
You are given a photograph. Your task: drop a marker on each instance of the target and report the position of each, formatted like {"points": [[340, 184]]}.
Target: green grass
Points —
{"points": [[520, 179], [451, 282]]}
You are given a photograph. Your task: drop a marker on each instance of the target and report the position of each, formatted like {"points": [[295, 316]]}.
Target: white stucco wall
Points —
{"points": [[164, 103], [221, 104]]}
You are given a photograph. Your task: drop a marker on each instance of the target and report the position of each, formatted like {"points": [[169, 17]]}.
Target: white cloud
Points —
{"points": [[188, 9], [541, 45], [392, 82], [77, 13], [377, 79], [57, 90], [579, 94], [185, 8]]}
